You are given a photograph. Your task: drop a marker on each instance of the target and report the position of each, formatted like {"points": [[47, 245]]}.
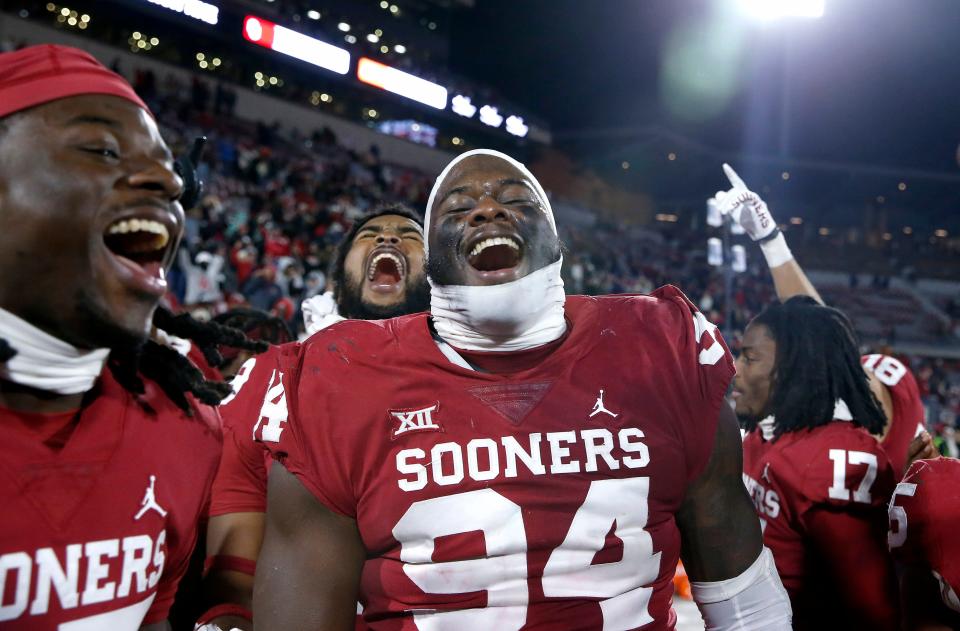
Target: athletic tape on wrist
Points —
{"points": [[229, 562], [226, 609], [775, 250], [753, 601]]}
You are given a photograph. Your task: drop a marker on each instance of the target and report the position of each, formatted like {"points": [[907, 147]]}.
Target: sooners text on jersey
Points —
{"points": [[543, 499], [96, 535]]}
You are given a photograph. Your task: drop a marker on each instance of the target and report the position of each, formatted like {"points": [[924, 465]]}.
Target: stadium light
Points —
{"points": [[461, 105], [490, 116], [283, 40], [773, 9], [402, 83], [203, 11], [516, 126]]}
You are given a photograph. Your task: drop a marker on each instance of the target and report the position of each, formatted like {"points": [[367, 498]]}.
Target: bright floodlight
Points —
{"points": [[772, 9]]}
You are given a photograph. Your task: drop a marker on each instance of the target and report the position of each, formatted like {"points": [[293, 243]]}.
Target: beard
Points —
{"points": [[352, 306]]}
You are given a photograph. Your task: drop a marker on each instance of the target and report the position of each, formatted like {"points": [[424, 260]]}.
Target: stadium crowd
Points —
{"points": [[780, 503], [277, 203]]}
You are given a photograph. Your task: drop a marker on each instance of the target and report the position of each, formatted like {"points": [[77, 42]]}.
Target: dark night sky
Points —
{"points": [[873, 81]]}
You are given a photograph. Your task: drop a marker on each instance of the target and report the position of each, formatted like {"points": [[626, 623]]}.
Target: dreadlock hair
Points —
{"points": [[337, 272], [175, 374], [817, 364], [256, 324]]}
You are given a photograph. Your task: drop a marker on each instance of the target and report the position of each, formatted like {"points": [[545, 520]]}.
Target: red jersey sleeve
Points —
{"points": [[294, 421], [908, 413], [924, 513], [705, 369], [314, 446], [241, 482]]}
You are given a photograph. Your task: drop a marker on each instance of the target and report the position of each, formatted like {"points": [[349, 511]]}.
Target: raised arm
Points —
{"points": [[308, 574], [733, 577], [752, 214]]}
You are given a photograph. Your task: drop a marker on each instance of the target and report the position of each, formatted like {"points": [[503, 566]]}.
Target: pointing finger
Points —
{"points": [[735, 180]]}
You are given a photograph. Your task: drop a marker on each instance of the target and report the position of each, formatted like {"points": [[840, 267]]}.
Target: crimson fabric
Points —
{"points": [[511, 362], [53, 430], [225, 610], [77, 513], [241, 482], [332, 412], [39, 74], [908, 413], [932, 517], [199, 360], [811, 530]]}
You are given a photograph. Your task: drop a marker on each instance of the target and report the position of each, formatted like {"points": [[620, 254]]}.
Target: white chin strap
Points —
{"points": [[514, 316], [45, 362]]}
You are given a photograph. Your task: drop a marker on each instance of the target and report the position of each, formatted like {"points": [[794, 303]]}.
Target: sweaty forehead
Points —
{"points": [[390, 222], [123, 117], [479, 171]]}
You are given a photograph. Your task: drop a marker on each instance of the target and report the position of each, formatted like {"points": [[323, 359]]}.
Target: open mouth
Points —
{"points": [[142, 246], [494, 253], [386, 271]]}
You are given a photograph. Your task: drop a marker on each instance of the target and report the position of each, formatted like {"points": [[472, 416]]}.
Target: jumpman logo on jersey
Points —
{"points": [[149, 501], [599, 407], [766, 470]]}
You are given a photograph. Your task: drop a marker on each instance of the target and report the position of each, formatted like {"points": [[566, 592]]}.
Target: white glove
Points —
{"points": [[746, 207], [212, 627], [319, 312], [750, 212]]}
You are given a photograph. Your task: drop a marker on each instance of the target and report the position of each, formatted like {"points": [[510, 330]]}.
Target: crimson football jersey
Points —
{"points": [[821, 495], [543, 499], [908, 413], [97, 534], [924, 519], [240, 485]]}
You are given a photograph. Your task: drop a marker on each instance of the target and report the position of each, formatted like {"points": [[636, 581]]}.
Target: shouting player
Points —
{"points": [[378, 272], [108, 451], [903, 437], [513, 459]]}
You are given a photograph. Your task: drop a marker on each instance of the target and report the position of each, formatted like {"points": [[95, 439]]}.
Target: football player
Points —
{"points": [[110, 441], [378, 272], [512, 459], [819, 480], [891, 380], [924, 514]]}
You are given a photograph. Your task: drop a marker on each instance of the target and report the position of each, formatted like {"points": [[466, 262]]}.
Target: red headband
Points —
{"points": [[40, 74]]}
